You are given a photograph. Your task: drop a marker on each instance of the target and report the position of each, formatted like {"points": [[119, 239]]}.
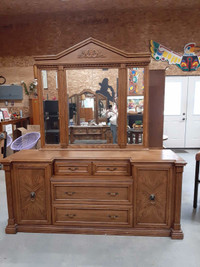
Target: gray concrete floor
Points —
{"points": [[25, 249]]}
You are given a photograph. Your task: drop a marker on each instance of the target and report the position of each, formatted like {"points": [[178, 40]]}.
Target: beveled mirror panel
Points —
{"points": [[135, 105], [93, 113], [50, 106]]}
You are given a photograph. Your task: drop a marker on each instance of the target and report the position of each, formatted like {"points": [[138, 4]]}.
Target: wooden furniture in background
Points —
{"points": [[100, 133], [99, 192], [21, 122]]}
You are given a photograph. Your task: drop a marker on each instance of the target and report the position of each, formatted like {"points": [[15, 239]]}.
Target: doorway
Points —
{"points": [[182, 112]]}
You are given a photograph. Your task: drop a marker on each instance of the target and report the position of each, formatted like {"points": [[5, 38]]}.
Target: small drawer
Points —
{"points": [[72, 167], [94, 131], [80, 131], [111, 168], [86, 192], [92, 215]]}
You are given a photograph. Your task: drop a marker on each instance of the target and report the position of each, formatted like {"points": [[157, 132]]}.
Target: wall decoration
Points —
{"points": [[189, 61], [106, 90], [6, 114], [2, 80], [1, 115], [133, 81]]}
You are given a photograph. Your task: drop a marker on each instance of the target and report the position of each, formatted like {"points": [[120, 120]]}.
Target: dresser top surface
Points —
{"points": [[162, 155]]}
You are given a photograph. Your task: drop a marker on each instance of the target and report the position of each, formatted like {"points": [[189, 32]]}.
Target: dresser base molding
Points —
{"points": [[11, 229], [94, 231], [177, 234]]}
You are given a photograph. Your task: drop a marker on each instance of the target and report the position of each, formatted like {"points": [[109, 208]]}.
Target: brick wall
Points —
{"points": [[131, 31]]}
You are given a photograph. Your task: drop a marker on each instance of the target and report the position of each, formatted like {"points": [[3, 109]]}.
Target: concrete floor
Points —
{"points": [[24, 249]]}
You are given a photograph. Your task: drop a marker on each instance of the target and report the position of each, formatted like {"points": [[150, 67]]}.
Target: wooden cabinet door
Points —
{"points": [[152, 195], [32, 193]]}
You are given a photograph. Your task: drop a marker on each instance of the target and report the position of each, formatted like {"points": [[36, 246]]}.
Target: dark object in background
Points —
{"points": [[11, 92]]}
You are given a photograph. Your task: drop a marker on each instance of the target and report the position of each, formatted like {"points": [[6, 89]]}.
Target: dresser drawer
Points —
{"points": [[109, 193], [92, 215], [72, 167], [80, 131], [94, 131], [111, 168]]}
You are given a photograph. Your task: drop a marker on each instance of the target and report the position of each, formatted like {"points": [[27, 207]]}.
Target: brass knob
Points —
{"points": [[73, 169], [113, 194], [152, 197], [70, 193], [71, 216], [111, 169], [32, 195], [113, 217]]}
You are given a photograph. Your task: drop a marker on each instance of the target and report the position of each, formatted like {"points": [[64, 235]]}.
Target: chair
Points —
{"points": [[26, 141], [197, 181]]}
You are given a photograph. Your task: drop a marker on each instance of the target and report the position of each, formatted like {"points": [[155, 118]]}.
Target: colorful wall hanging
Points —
{"points": [[189, 61], [133, 81]]}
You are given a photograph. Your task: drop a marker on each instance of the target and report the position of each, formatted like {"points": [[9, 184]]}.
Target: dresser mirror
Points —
{"points": [[83, 85], [50, 106], [91, 92], [135, 105]]}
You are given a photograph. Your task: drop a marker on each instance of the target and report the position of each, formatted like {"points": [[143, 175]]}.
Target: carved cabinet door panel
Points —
{"points": [[152, 195], [32, 193]]}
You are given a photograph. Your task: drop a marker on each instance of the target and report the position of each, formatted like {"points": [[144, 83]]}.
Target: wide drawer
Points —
{"points": [[109, 193], [111, 168], [94, 131], [92, 215], [80, 131], [72, 167]]}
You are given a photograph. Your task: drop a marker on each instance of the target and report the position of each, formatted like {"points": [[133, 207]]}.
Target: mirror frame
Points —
{"points": [[95, 54]]}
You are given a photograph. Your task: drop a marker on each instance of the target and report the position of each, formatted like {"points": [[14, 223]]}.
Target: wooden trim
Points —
{"points": [[122, 107], [63, 110], [129, 56]]}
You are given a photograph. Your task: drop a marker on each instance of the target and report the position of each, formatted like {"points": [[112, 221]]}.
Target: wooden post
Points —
{"points": [[11, 227], [176, 231], [63, 107], [122, 107]]}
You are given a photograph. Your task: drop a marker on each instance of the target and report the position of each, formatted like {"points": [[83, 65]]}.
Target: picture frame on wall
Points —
{"points": [[6, 114], [1, 115]]}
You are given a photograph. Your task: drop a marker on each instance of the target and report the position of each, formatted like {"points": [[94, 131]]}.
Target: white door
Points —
{"points": [[175, 111], [182, 112], [192, 138]]}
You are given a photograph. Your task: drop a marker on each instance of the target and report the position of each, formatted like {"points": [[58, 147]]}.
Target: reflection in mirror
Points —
{"points": [[90, 92], [50, 106], [135, 105]]}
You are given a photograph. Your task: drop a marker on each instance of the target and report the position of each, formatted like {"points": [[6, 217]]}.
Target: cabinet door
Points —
{"points": [[152, 195], [32, 192]]}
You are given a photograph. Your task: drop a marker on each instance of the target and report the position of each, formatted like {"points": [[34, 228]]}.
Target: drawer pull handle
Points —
{"points": [[111, 169], [70, 193], [113, 194], [113, 217], [71, 216], [32, 195], [152, 197], [73, 169]]}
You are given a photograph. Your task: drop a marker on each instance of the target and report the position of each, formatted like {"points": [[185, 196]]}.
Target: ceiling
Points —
{"points": [[22, 7]]}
